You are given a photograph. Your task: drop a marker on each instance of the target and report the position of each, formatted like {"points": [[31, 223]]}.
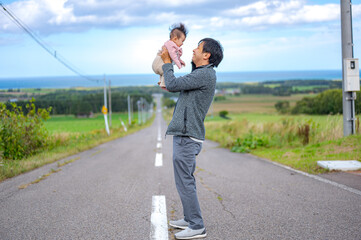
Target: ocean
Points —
{"points": [[151, 79]]}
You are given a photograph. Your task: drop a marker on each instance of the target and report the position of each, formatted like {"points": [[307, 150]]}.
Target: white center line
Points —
{"points": [[159, 145], [159, 132], [159, 227], [159, 160]]}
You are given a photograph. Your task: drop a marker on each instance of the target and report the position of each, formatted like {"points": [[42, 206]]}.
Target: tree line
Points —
{"points": [[288, 87], [282, 87], [327, 102], [70, 102]]}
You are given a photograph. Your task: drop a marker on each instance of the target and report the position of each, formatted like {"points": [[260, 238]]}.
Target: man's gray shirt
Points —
{"points": [[196, 95]]}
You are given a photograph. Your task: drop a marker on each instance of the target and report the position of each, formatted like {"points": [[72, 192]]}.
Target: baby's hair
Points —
{"points": [[176, 30]]}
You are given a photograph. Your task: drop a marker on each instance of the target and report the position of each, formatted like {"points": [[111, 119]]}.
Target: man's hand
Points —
{"points": [[165, 55]]}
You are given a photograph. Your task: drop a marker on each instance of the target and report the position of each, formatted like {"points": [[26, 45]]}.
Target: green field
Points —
{"points": [[71, 124], [254, 103], [305, 88], [270, 85], [299, 88]]}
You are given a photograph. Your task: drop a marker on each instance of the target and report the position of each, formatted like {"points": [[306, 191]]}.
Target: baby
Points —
{"points": [[178, 34]]}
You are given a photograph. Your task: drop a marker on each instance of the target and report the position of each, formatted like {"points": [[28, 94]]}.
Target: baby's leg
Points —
{"points": [[157, 65], [162, 83]]}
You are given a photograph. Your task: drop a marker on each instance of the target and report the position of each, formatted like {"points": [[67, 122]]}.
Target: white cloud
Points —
{"points": [[173, 3], [54, 16], [263, 13], [264, 7]]}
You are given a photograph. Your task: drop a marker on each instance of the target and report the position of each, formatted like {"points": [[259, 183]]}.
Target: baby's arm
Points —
{"points": [[172, 49], [182, 62]]}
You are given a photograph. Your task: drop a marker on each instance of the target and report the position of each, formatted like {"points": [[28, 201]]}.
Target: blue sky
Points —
{"points": [[123, 36]]}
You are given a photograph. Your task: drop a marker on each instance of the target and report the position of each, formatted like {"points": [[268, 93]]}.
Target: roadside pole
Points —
{"points": [[348, 95], [129, 112], [110, 105], [142, 109], [105, 109], [138, 103], [145, 108], [131, 109]]}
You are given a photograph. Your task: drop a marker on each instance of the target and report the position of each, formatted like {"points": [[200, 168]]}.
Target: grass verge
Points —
{"points": [[305, 158], [283, 138]]}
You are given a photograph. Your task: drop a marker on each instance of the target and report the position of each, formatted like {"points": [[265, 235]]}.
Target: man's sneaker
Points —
{"points": [[191, 234], [181, 223]]}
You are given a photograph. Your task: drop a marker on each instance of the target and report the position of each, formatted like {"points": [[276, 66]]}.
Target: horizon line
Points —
{"points": [[178, 73]]}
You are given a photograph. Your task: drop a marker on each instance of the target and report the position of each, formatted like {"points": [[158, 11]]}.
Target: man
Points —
{"points": [[187, 127]]}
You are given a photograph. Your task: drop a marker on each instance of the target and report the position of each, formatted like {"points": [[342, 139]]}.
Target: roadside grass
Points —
{"points": [[280, 138], [305, 158], [282, 141], [77, 135], [323, 127]]}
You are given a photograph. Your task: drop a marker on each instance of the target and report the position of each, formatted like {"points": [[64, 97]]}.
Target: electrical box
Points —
{"points": [[351, 75]]}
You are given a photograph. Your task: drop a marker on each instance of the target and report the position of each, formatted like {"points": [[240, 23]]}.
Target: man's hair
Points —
{"points": [[213, 47], [176, 30]]}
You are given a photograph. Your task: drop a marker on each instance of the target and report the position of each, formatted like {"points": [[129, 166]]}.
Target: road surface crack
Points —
{"points": [[218, 196]]}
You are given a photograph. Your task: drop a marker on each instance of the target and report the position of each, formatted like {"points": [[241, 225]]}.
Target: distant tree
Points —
{"points": [[305, 106], [169, 103], [282, 91], [223, 114], [82, 108], [282, 106], [219, 98], [255, 89], [327, 102]]}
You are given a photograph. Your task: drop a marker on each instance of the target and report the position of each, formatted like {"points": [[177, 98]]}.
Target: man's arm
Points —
{"points": [[173, 84], [191, 81]]}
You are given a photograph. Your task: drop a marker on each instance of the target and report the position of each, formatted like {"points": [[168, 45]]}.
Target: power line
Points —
{"points": [[45, 46]]}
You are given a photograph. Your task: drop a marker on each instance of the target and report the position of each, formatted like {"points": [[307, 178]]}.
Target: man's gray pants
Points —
{"points": [[185, 151]]}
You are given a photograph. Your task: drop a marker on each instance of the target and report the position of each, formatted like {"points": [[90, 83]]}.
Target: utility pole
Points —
{"points": [[143, 107], [129, 112], [105, 110], [131, 109], [348, 65], [138, 102], [110, 105], [144, 110]]}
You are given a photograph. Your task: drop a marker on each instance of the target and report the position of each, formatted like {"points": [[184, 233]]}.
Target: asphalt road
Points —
{"points": [[107, 194]]}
